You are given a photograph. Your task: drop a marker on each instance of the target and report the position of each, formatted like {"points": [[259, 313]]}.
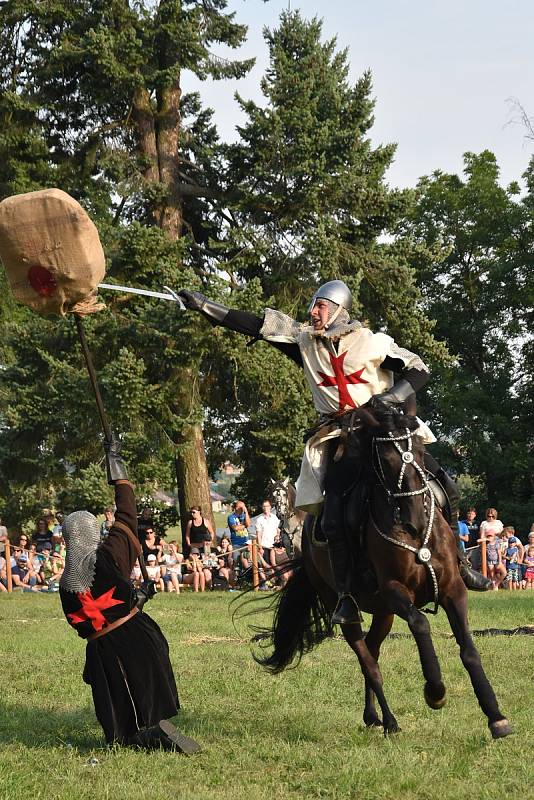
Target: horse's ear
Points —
{"points": [[272, 481], [286, 481]]}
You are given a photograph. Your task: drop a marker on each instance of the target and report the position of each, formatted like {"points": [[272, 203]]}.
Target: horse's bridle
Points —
{"points": [[422, 553]]}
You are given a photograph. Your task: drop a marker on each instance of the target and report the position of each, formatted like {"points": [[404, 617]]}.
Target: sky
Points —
{"points": [[444, 72]]}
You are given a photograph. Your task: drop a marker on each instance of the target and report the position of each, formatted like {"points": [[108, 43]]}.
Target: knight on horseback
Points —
{"points": [[346, 366]]}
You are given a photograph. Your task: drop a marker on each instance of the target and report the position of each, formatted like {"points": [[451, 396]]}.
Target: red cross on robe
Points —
{"points": [[341, 380], [92, 608]]}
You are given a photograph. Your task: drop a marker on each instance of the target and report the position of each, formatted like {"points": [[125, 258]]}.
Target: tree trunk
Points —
{"points": [[192, 475]]}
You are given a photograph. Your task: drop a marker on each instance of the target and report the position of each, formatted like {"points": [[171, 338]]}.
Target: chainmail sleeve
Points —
{"points": [[278, 327], [407, 359]]}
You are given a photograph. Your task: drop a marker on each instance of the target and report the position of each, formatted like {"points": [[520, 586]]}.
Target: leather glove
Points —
{"points": [[394, 397], [195, 301], [115, 467], [146, 591]]}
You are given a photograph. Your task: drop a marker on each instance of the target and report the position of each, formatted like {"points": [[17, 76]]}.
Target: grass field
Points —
{"points": [[297, 735]]}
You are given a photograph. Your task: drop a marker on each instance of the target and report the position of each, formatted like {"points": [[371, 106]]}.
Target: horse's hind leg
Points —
{"points": [[380, 627], [455, 605], [371, 672], [401, 603]]}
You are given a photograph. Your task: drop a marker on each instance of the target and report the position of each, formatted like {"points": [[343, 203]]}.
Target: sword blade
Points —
{"points": [[146, 292]]}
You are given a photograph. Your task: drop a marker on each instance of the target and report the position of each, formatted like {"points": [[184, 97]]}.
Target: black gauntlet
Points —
{"points": [[115, 466]]}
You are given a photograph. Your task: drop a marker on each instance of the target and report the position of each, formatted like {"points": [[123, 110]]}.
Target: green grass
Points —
{"points": [[297, 735]]}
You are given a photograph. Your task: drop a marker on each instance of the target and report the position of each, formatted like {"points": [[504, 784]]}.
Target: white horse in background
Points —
{"points": [[283, 493]]}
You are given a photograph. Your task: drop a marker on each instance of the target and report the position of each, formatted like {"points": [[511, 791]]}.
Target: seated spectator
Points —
{"points": [[35, 559], [279, 558], [42, 534], [152, 545], [109, 518], [194, 575], [225, 563], [3, 535], [529, 563], [3, 574], [210, 564], [154, 572], [144, 521], [172, 567], [23, 576], [136, 575], [264, 569]]}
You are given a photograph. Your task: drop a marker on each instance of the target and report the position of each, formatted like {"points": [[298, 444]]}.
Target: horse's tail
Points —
{"points": [[301, 622]]}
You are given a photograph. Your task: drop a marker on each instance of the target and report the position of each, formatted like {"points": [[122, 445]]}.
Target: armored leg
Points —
{"points": [[346, 611]]}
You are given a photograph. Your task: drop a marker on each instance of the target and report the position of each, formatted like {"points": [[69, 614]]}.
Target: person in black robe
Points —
{"points": [[127, 657]]}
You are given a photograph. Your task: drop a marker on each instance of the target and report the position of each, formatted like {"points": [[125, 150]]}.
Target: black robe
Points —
{"points": [[128, 669]]}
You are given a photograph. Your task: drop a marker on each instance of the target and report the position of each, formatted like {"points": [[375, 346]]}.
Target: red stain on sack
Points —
{"points": [[42, 281]]}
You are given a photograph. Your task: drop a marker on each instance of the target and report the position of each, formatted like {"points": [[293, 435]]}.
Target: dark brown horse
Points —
{"points": [[411, 550]]}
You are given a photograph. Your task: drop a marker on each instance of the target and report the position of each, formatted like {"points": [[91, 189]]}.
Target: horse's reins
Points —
{"points": [[422, 553]]}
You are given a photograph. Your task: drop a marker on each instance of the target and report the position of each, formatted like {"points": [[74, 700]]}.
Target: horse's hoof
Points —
{"points": [[500, 729], [392, 727], [434, 702], [372, 721]]}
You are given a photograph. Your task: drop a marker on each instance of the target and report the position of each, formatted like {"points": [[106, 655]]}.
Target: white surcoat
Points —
{"points": [[341, 374]]}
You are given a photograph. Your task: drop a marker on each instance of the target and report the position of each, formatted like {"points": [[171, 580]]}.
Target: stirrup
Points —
{"points": [[473, 580], [346, 611]]}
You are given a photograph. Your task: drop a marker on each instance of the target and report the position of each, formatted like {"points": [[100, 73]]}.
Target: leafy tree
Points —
{"points": [[481, 296], [312, 205], [91, 101]]}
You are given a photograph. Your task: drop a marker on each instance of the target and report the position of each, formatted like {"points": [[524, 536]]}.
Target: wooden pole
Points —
{"points": [[8, 566], [483, 557], [255, 574]]}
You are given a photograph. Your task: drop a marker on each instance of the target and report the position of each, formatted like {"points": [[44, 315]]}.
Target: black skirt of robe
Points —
{"points": [[131, 678]]}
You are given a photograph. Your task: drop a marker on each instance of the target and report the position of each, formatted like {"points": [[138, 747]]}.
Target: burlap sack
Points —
{"points": [[51, 252]]}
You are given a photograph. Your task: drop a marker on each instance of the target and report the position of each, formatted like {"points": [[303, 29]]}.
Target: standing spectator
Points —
{"points": [[463, 535], [3, 535], [195, 571], [57, 530], [472, 526], [198, 532], [109, 519], [490, 530], [239, 522], [267, 526], [42, 534], [513, 557], [529, 563]]}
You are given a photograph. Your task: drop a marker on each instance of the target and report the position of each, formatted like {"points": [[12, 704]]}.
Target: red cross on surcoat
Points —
{"points": [[341, 380], [92, 608]]}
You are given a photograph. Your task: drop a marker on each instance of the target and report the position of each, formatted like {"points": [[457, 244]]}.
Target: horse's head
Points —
{"points": [[397, 456], [280, 496]]}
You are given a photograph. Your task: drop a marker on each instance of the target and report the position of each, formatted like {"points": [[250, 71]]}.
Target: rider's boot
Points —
{"points": [[346, 611], [472, 579]]}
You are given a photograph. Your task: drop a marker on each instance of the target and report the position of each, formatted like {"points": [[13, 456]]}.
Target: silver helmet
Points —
{"points": [[82, 537], [335, 291]]}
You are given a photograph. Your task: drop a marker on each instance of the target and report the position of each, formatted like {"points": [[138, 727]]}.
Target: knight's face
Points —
{"points": [[319, 314]]}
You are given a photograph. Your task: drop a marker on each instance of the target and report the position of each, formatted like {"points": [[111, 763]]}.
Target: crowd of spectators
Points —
{"points": [[509, 562], [210, 562]]}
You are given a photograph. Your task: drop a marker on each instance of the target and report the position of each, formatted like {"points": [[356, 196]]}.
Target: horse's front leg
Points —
{"points": [[455, 605], [373, 678], [401, 603], [380, 627]]}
